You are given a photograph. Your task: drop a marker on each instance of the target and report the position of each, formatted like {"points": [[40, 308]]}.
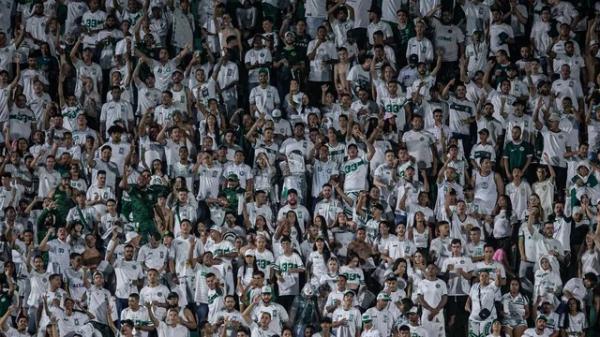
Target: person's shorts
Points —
{"points": [[513, 323], [480, 329]]}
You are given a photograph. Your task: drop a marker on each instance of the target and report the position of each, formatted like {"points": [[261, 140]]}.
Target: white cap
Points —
{"points": [[276, 113], [130, 236]]}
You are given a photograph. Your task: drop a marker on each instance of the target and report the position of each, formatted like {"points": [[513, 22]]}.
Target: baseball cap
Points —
{"points": [[375, 9], [130, 236], [276, 113], [392, 277], [413, 58], [484, 130], [348, 292], [266, 290], [249, 252], [554, 117], [383, 296], [217, 229], [412, 310], [366, 318], [233, 177], [115, 128]]}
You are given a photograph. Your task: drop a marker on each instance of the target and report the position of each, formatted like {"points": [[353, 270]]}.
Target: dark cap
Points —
{"points": [[413, 58], [375, 9], [115, 128], [484, 130]]}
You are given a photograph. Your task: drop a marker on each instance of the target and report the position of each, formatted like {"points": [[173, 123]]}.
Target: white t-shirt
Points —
{"points": [[483, 298], [360, 9], [355, 174], [165, 330], [352, 317], [285, 263], [127, 272], [495, 41], [447, 37], [162, 73], [432, 292], [458, 285], [253, 56], [320, 71]]}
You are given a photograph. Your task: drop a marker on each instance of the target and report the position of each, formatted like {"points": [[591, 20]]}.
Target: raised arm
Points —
{"points": [[19, 39], [445, 92], [44, 244], [75, 50], [438, 63], [143, 57], [182, 53]]}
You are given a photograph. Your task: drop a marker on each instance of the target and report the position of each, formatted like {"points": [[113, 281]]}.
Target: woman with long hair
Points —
{"points": [[289, 226], [589, 256], [76, 180], [573, 322], [159, 176], [533, 201], [330, 277], [324, 231], [245, 272], [353, 272], [417, 270], [316, 261], [400, 271], [262, 227], [420, 233], [497, 330], [503, 229], [516, 309], [263, 174], [210, 128]]}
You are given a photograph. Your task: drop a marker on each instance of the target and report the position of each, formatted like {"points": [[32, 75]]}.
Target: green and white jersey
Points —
{"points": [[355, 173], [353, 275], [291, 283], [93, 20], [394, 106], [264, 260], [20, 122], [337, 152], [515, 306], [139, 317], [352, 317], [460, 110]]}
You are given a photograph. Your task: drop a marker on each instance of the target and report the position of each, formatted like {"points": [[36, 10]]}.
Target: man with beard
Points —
{"points": [[293, 205]]}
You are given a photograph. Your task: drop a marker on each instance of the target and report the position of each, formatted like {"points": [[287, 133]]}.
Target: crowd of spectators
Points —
{"points": [[289, 168]]}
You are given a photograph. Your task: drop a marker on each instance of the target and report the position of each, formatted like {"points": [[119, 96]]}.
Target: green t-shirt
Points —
{"points": [[232, 197], [142, 203], [517, 154]]}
